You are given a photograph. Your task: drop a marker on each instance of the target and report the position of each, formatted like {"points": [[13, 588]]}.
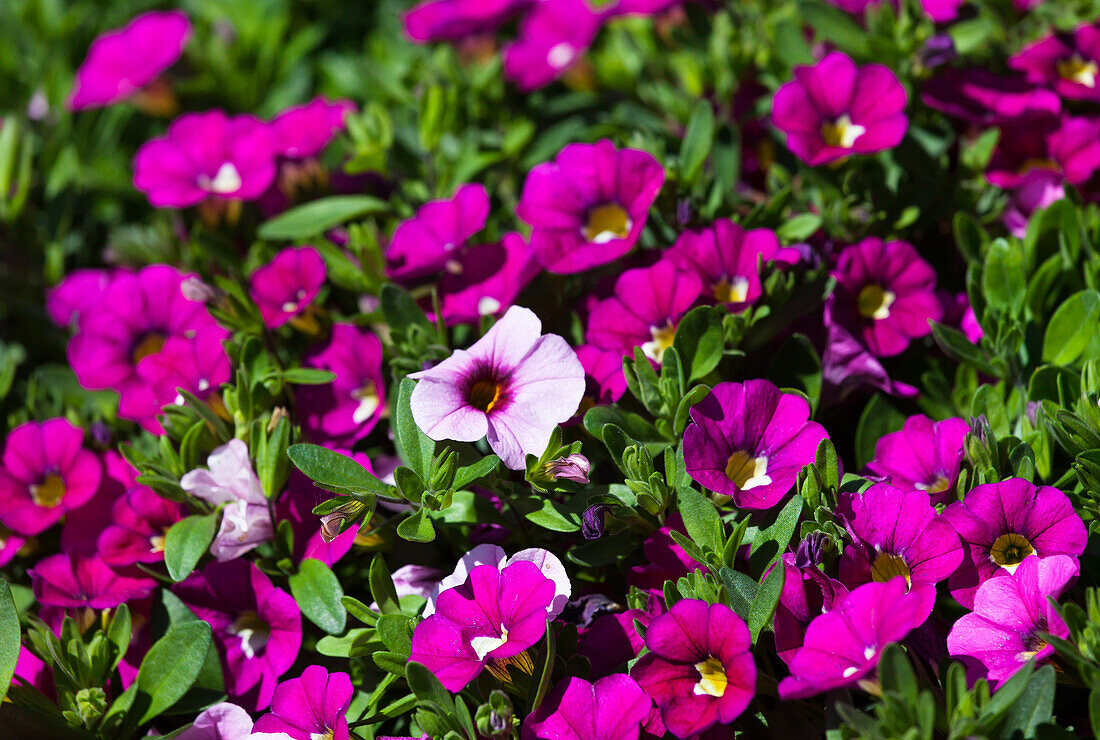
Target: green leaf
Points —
{"points": [[798, 228], [955, 344], [415, 447], [401, 311], [698, 139], [119, 632], [318, 593], [9, 637], [1004, 281], [1034, 707], [770, 543], [427, 687], [698, 341], [185, 543], [416, 528], [700, 518], [307, 376], [331, 470], [741, 589], [318, 216], [833, 24], [764, 601], [555, 517], [464, 476], [1071, 328], [381, 586], [1094, 712], [896, 673], [170, 668]]}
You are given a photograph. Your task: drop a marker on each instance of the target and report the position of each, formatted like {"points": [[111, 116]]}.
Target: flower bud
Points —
{"points": [[340, 519], [574, 468], [592, 526]]}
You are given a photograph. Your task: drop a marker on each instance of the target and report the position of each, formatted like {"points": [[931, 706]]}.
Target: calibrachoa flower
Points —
{"points": [[485, 280], [230, 480], [10, 543], [121, 62], [1065, 146], [807, 593], [206, 156], [897, 533], [645, 310], [842, 646], [76, 580], [1000, 524], [223, 721], [699, 670], [749, 441], [46, 472], [197, 364], [257, 627], [603, 375], [310, 706], [488, 621], [588, 207], [847, 364], [547, 563], [834, 109], [1038, 190], [1068, 63], [552, 37], [451, 20], [725, 257], [345, 410], [1003, 632], [612, 708], [438, 233], [303, 131], [982, 97], [81, 290], [886, 294], [287, 285], [141, 520], [924, 456], [513, 386], [665, 560]]}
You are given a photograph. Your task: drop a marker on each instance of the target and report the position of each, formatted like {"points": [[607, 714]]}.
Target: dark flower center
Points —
{"points": [[1009, 550], [150, 344], [253, 632], [485, 393], [606, 222]]}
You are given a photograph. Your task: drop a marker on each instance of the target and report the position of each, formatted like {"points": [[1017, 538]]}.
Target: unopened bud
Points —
{"points": [[340, 519], [574, 468], [194, 289], [592, 526]]}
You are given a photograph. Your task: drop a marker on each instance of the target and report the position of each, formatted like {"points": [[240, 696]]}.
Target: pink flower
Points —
{"points": [[588, 207], [924, 456], [75, 580], [1069, 63], [223, 721], [547, 563], [206, 156], [121, 62], [612, 708], [303, 131], [552, 37], [287, 285], [1065, 146], [807, 593], [603, 371], [46, 472], [452, 20], [1039, 190], [439, 231], [78, 292], [514, 385], [141, 519], [310, 706], [834, 109], [345, 410], [486, 279], [979, 96]]}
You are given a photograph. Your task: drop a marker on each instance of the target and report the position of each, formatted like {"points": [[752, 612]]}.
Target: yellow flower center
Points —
{"points": [[731, 291], [484, 395], [150, 344], [1076, 69], [1038, 163], [746, 471], [655, 348], [939, 485], [874, 302], [887, 566], [841, 132], [1009, 550], [712, 678], [156, 542], [368, 399], [606, 222], [49, 492]]}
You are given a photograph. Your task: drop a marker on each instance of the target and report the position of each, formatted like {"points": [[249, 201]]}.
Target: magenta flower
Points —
{"points": [[885, 293], [665, 560], [749, 441], [80, 291], [588, 207], [924, 456], [644, 311], [141, 519], [206, 156], [257, 627], [896, 532], [834, 109], [1003, 632], [847, 365], [611, 640], [1070, 64], [514, 385], [494, 616], [725, 257], [603, 375], [46, 472], [84, 524], [547, 563], [486, 279], [612, 708], [1037, 191], [425, 243], [121, 62], [452, 20], [1067, 147], [979, 96], [287, 285], [230, 480], [10, 543], [310, 706], [1000, 524], [807, 593], [552, 37], [222, 721], [699, 670], [842, 646], [75, 580], [345, 410], [303, 131]]}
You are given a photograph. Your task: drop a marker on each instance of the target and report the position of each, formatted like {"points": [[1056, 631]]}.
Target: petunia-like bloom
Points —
{"points": [[749, 441], [303, 131], [588, 207], [842, 646], [78, 292], [206, 156], [222, 721], [603, 375], [665, 560], [513, 386], [885, 294], [1003, 632], [644, 311], [847, 364], [1000, 524], [310, 706], [725, 257], [896, 532], [10, 543], [834, 109], [486, 279], [979, 96], [141, 520], [46, 472], [198, 364], [345, 410], [452, 20], [425, 243], [547, 563], [1065, 146], [611, 640], [487, 622], [257, 627], [699, 670], [807, 592], [1038, 190], [287, 285], [612, 708], [76, 580], [230, 480], [121, 62], [1068, 63], [552, 37], [924, 456]]}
